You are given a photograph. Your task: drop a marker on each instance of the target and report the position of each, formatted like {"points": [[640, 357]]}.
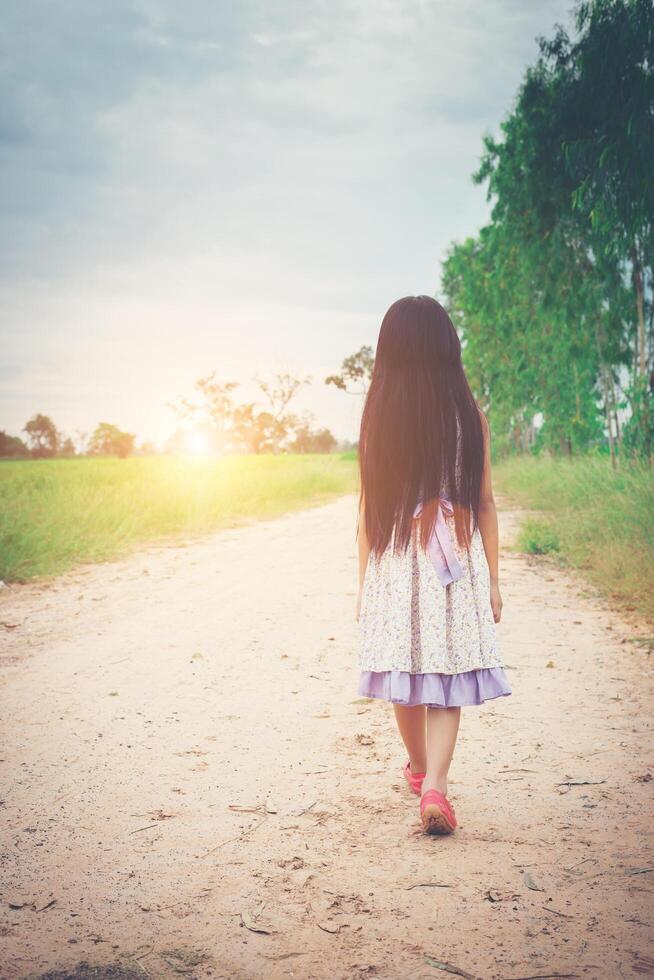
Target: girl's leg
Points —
{"points": [[411, 724], [442, 730]]}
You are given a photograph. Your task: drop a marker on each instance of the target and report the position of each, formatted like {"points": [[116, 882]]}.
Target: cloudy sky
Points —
{"points": [[232, 185]]}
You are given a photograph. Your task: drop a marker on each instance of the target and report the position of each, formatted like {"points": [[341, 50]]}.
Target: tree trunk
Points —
{"points": [[607, 412], [605, 390], [641, 373], [637, 272], [614, 409]]}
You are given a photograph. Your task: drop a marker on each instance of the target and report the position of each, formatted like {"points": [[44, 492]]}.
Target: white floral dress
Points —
{"points": [[423, 641]]}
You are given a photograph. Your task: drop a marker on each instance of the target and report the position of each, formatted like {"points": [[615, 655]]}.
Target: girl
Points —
{"points": [[429, 596]]}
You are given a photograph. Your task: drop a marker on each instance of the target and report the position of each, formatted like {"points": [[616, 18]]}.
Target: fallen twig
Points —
{"points": [[427, 884], [306, 809], [448, 967], [240, 836], [581, 782]]}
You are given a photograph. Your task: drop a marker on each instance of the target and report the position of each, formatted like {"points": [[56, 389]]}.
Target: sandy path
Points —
{"points": [[144, 698]]}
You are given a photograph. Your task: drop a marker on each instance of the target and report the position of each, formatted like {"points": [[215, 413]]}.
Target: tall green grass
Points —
{"points": [[598, 519], [57, 513]]}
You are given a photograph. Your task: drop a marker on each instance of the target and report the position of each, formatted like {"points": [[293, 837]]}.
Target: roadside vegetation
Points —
{"points": [[593, 517]]}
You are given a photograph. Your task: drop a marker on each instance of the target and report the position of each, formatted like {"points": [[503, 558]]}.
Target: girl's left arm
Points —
{"points": [[364, 552]]}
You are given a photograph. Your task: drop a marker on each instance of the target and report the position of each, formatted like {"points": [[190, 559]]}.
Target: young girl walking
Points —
{"points": [[429, 596]]}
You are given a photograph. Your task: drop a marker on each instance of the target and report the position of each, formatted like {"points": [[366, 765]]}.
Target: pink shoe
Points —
{"points": [[437, 813], [413, 779]]}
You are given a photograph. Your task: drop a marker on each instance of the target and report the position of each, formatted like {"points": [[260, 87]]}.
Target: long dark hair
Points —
{"points": [[421, 428]]}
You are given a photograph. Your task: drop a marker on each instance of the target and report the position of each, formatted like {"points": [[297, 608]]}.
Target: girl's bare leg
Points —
{"points": [[411, 724], [442, 731]]}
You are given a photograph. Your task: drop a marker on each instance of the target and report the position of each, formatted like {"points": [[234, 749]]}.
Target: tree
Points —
{"points": [[281, 390], [12, 446], [43, 436], [606, 123], [356, 370], [244, 427], [609, 134], [542, 296], [255, 431], [310, 440], [109, 440], [67, 447], [212, 408]]}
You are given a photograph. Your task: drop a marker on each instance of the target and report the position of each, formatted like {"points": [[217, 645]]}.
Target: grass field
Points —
{"points": [[55, 514], [596, 519]]}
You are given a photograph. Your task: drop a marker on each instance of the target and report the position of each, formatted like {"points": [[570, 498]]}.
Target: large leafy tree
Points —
{"points": [[542, 296]]}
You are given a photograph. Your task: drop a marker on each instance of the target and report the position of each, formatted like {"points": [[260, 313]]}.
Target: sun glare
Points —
{"points": [[197, 443]]}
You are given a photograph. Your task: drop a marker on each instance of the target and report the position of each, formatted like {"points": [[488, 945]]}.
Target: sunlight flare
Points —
{"points": [[197, 443]]}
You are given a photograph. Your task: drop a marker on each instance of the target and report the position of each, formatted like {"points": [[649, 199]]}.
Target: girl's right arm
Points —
{"points": [[364, 552], [488, 524]]}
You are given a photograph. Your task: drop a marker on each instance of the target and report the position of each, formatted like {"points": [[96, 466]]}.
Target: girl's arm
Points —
{"points": [[488, 525], [364, 552]]}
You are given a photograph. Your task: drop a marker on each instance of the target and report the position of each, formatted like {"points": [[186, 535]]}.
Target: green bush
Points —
{"points": [[538, 538]]}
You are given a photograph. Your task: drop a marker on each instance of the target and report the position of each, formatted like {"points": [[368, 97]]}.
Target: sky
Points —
{"points": [[234, 186]]}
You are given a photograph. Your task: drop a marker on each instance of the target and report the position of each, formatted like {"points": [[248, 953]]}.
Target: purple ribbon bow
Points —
{"points": [[439, 547]]}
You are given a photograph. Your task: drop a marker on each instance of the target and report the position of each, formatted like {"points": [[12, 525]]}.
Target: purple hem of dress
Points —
{"points": [[435, 689]]}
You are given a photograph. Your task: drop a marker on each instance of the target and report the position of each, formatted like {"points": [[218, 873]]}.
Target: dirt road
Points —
{"points": [[191, 786]]}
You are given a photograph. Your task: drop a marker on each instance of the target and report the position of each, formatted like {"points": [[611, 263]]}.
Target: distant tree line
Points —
{"points": [[45, 441], [223, 424]]}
